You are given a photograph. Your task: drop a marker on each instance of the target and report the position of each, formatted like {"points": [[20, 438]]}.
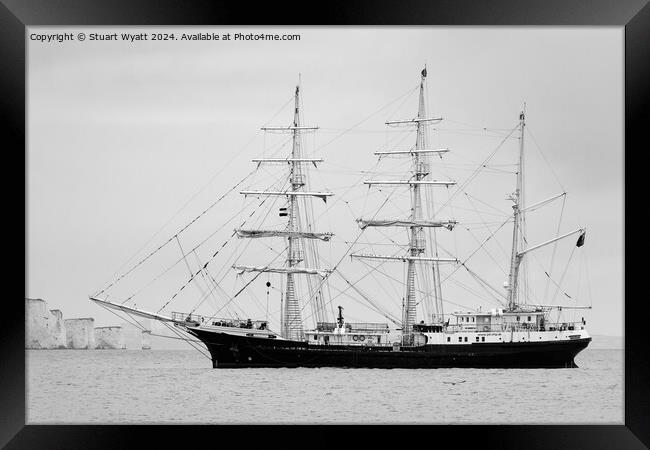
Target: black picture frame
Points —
{"points": [[634, 15]]}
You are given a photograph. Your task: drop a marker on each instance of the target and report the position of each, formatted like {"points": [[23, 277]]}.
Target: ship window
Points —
{"points": [[460, 339], [378, 339], [529, 318], [315, 337], [465, 338], [448, 339], [476, 338], [472, 319], [482, 338], [517, 318]]}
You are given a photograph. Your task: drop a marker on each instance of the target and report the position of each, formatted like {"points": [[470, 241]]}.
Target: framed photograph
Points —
{"points": [[252, 217]]}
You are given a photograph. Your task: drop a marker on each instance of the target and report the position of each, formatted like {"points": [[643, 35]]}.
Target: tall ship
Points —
{"points": [[312, 330]]}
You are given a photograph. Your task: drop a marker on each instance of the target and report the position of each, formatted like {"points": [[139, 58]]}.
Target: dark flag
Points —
{"points": [[581, 240], [424, 72]]}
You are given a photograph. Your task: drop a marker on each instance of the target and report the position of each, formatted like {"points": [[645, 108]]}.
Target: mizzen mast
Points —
{"points": [[518, 207]]}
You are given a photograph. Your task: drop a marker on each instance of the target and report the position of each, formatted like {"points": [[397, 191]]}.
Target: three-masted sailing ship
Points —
{"points": [[517, 335]]}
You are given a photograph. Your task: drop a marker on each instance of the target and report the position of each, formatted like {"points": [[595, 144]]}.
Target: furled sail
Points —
{"points": [[322, 272], [282, 233], [449, 224]]}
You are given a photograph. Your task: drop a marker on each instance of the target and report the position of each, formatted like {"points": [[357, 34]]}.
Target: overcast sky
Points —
{"points": [[121, 135]]}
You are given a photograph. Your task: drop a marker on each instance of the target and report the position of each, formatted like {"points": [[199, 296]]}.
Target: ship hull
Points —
{"points": [[228, 351]]}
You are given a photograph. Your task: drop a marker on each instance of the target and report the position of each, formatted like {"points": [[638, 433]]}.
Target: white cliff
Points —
{"points": [[108, 338], [44, 329], [37, 332], [80, 333], [57, 329], [146, 340]]}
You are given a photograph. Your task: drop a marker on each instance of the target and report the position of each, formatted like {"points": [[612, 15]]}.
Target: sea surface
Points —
{"points": [[180, 386]]}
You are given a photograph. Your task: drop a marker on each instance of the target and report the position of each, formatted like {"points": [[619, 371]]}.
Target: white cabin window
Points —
{"points": [[529, 318], [517, 318], [472, 319], [448, 339], [465, 338], [460, 339]]}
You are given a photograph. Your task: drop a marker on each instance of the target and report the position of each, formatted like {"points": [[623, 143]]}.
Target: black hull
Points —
{"points": [[230, 351]]}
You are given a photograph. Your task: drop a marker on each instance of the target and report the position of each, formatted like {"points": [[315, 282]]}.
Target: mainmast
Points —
{"points": [[417, 244], [294, 233], [416, 222], [518, 207]]}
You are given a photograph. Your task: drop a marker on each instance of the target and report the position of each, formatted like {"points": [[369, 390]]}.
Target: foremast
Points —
{"points": [[294, 232], [416, 223]]}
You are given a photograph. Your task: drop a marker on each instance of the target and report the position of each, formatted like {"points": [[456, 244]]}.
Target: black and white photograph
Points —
{"points": [[324, 225]]}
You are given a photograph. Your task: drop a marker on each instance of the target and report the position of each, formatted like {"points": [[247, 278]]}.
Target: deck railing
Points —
{"points": [[497, 328], [221, 322]]}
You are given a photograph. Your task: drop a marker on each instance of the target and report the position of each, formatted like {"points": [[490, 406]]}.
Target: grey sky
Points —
{"points": [[121, 135]]}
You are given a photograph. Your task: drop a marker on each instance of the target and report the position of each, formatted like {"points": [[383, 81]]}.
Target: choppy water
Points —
{"points": [[179, 386]]}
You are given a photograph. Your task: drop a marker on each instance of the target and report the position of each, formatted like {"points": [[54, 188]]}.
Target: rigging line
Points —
{"points": [[163, 273], [242, 289], [187, 264], [223, 168], [211, 258], [396, 292], [178, 233], [291, 99], [477, 127], [204, 268], [340, 198], [488, 253], [503, 252], [486, 204], [474, 292], [557, 233], [475, 251], [464, 185], [367, 118], [485, 284], [563, 274], [548, 275], [544, 157], [341, 275], [174, 337], [207, 278], [376, 308], [136, 324], [186, 340], [588, 277]]}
